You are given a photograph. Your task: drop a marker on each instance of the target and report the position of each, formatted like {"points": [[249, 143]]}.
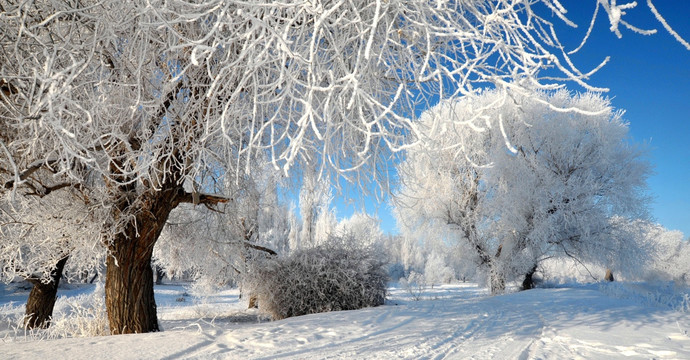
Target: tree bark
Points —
{"points": [[129, 296], [253, 302], [41, 301], [497, 283]]}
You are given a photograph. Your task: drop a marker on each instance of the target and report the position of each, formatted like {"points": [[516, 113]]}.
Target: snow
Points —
{"points": [[459, 321]]}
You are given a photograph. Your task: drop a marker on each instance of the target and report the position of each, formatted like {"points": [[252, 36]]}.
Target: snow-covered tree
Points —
{"points": [[436, 270], [410, 252], [432, 249], [37, 238], [668, 254], [570, 173], [326, 222], [549, 184], [365, 228], [149, 96], [442, 184], [314, 207], [218, 246], [293, 225]]}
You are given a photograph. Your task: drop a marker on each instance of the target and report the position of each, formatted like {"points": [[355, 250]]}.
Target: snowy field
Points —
{"points": [[598, 321]]}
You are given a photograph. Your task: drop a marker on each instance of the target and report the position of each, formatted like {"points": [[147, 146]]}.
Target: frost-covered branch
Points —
{"points": [[153, 85], [206, 199]]}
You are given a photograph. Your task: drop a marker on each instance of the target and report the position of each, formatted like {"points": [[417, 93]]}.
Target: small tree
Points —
{"points": [[436, 271]]}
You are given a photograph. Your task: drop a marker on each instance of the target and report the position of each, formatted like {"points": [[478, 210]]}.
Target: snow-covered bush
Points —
{"points": [[337, 275], [660, 294]]}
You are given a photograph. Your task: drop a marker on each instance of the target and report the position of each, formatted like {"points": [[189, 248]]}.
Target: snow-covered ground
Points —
{"points": [[598, 321]]}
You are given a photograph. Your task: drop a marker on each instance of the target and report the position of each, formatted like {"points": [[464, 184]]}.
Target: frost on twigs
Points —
{"points": [[330, 277], [123, 86], [38, 232]]}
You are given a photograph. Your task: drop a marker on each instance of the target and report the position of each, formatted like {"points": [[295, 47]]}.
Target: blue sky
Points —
{"points": [[648, 77]]}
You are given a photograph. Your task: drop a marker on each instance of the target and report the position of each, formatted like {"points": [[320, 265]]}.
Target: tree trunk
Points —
{"points": [[528, 282], [41, 301], [129, 293], [159, 275], [609, 275], [129, 297], [253, 302], [497, 283]]}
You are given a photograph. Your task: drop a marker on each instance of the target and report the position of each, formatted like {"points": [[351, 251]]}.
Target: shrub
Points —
{"points": [[338, 275]]}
